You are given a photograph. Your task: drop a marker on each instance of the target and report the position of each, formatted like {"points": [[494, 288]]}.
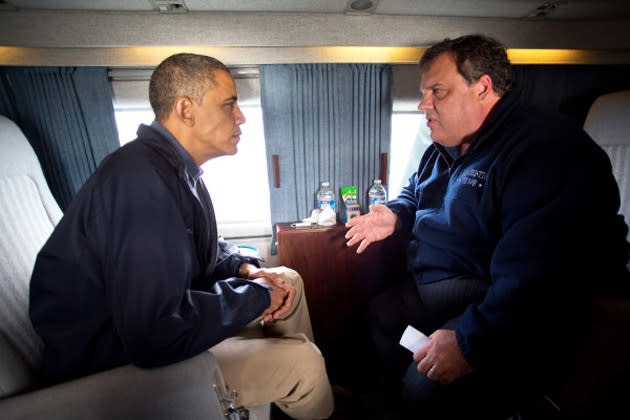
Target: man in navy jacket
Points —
{"points": [[514, 229], [135, 272]]}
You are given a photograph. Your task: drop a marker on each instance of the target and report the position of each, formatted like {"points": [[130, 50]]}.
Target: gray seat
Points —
{"points": [[28, 214], [608, 123]]}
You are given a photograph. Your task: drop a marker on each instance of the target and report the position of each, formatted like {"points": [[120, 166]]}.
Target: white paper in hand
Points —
{"points": [[413, 339]]}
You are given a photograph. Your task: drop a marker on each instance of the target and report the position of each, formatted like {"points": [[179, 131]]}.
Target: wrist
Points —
{"points": [[245, 269]]}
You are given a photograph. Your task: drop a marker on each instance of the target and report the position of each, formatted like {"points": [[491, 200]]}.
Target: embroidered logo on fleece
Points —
{"points": [[474, 178]]}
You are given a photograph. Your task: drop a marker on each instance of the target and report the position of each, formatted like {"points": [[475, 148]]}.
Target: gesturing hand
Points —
{"points": [[374, 226]]}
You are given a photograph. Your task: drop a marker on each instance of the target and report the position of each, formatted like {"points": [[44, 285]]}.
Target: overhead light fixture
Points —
{"points": [[545, 9], [361, 7], [169, 6]]}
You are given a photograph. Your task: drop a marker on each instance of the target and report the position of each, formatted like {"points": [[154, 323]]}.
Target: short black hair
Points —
{"points": [[184, 74], [474, 56]]}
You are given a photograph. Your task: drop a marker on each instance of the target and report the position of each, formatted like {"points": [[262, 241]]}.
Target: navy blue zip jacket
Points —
{"points": [[531, 207], [134, 271]]}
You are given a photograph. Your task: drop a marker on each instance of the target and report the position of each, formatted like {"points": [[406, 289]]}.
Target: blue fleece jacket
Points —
{"points": [[532, 208]]}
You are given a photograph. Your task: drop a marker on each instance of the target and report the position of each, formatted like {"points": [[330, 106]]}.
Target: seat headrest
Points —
{"points": [[608, 120], [17, 158]]}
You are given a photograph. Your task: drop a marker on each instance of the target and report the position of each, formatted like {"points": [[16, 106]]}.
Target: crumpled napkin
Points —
{"points": [[314, 216], [327, 217]]}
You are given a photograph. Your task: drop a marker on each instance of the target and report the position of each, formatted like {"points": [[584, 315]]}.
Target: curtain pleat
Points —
{"points": [[68, 116], [326, 122], [7, 105]]}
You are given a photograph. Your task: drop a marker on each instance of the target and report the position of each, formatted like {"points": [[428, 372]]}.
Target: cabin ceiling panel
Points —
{"points": [[554, 9], [125, 29]]}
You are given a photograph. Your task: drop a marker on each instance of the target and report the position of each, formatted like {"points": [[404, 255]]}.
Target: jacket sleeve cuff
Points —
{"points": [[230, 266], [467, 329], [400, 210], [240, 260], [233, 265]]}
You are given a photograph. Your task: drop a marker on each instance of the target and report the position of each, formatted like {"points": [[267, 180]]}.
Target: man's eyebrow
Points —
{"points": [[434, 85], [230, 99]]}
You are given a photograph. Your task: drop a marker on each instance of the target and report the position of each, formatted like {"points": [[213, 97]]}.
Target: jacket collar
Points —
{"points": [[493, 122], [503, 109], [166, 145]]}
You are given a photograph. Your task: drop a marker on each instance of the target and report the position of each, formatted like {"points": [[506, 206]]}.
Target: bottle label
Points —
{"points": [[377, 200], [322, 204]]}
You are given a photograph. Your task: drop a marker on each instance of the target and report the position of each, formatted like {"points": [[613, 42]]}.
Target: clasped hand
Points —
{"points": [[281, 293], [440, 359], [375, 226]]}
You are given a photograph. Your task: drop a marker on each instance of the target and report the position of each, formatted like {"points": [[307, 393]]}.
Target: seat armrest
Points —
{"points": [[181, 391]]}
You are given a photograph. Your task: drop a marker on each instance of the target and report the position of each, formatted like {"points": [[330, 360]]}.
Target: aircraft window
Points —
{"points": [[238, 184], [410, 134], [410, 138], [128, 120]]}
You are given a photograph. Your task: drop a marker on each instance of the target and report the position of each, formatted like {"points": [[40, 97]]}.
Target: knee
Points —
{"points": [[308, 360], [418, 390], [304, 365], [309, 395], [291, 277]]}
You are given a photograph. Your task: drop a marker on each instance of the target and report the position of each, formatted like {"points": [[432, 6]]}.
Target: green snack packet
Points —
{"points": [[349, 196]]}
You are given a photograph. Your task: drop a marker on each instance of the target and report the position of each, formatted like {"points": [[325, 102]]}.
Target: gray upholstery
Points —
{"points": [[608, 119], [608, 123], [180, 391], [15, 374], [28, 214]]}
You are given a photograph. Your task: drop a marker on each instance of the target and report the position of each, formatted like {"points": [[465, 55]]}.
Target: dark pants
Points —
{"points": [[428, 308]]}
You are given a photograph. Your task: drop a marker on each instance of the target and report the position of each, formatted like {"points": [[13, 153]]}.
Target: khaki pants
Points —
{"points": [[279, 362]]}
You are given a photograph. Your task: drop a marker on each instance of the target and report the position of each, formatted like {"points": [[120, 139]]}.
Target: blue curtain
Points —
{"points": [[7, 105], [67, 115], [325, 122]]}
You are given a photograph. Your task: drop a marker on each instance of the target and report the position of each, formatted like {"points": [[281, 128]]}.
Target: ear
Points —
{"points": [[182, 110], [484, 87]]}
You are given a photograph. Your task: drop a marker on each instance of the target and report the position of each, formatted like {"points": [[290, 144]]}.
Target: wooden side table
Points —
{"points": [[339, 284]]}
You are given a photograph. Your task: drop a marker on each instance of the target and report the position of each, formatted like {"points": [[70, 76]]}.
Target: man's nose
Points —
{"points": [[239, 117], [425, 103]]}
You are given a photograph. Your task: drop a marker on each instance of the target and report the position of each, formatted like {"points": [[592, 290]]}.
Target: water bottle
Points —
{"points": [[377, 193], [325, 196]]}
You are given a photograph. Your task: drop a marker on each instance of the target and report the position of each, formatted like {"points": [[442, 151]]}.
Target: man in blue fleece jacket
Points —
{"points": [[514, 224], [135, 271]]}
